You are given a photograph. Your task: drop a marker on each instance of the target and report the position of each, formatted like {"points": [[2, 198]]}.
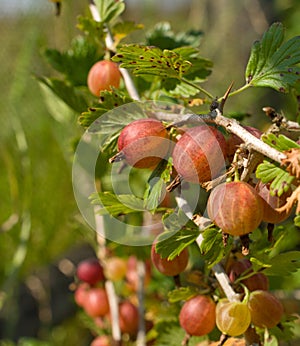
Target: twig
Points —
{"points": [[114, 311], [141, 336], [218, 270], [232, 126]]}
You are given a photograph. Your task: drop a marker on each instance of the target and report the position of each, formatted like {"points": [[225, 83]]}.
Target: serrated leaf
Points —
{"points": [[212, 247], [272, 63], [282, 264], [156, 184], [164, 37], [67, 93], [182, 293], [109, 9], [171, 334], [279, 142], [280, 179], [116, 205], [108, 124], [181, 233], [109, 101], [75, 63], [146, 60]]}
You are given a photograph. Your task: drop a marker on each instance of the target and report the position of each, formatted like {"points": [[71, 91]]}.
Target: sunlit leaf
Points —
{"points": [[272, 63], [280, 179]]}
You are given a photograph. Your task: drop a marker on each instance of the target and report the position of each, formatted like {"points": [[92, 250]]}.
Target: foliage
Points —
{"points": [[164, 65]]}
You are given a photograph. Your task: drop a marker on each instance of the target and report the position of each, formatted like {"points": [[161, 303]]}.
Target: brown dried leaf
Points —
{"points": [[290, 201], [292, 161]]}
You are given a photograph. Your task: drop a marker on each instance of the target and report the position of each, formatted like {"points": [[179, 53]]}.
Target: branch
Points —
{"points": [[231, 125], [218, 269], [141, 336]]}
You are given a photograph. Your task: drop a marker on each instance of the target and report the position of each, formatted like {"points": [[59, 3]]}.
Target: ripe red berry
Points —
{"points": [[90, 271], [170, 267], [266, 310], [128, 318], [235, 207], [96, 302], [102, 76], [198, 315], [81, 293], [199, 154], [144, 143]]}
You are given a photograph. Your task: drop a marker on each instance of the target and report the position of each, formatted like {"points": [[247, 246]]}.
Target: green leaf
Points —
{"points": [[116, 205], [212, 247], [156, 184], [171, 334], [146, 60], [110, 122], [272, 63], [109, 9], [123, 29], [163, 36], [109, 101], [181, 232], [280, 179], [94, 30], [279, 142], [297, 221], [282, 264], [182, 293], [75, 63], [67, 93]]}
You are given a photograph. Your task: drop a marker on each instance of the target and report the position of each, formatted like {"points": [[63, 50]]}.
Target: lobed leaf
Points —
{"points": [[282, 264], [272, 63], [212, 247], [279, 142], [116, 205], [171, 66], [280, 180], [180, 233], [109, 101]]}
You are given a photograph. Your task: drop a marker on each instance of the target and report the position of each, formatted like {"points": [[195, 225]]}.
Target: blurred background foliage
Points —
{"points": [[40, 225]]}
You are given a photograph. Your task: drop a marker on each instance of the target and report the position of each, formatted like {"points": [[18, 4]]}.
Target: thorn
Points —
{"points": [[224, 98]]}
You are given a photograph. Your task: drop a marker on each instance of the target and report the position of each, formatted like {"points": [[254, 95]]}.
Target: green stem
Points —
{"points": [[237, 91], [198, 87]]}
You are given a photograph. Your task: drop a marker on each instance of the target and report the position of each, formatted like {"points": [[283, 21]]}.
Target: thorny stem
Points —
{"points": [[232, 126], [237, 91]]}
